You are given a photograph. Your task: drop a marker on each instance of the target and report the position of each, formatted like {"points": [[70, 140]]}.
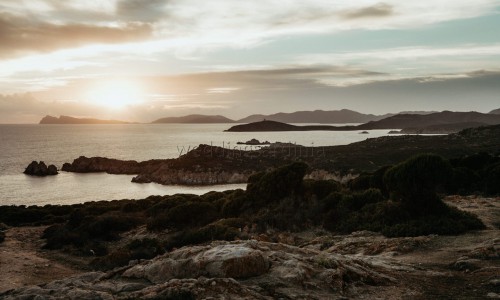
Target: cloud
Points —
{"points": [[232, 82], [20, 34], [376, 11], [141, 10], [201, 25]]}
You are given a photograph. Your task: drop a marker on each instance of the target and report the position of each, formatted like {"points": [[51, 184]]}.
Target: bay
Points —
{"points": [[57, 144]]}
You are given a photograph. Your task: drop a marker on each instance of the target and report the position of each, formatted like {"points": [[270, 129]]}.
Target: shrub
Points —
{"points": [[207, 233], [415, 180], [320, 188], [362, 182], [58, 236], [234, 205], [165, 204], [184, 215], [277, 184], [464, 181], [492, 180], [146, 248], [108, 226], [475, 162]]}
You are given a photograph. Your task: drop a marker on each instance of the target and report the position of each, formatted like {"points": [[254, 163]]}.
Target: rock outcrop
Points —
{"points": [[40, 169], [224, 270], [102, 164]]}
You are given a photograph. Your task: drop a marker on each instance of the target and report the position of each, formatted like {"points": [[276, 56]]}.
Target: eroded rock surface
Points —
{"points": [[229, 270]]}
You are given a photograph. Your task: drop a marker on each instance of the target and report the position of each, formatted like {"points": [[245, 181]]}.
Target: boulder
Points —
{"points": [[40, 169], [227, 260]]}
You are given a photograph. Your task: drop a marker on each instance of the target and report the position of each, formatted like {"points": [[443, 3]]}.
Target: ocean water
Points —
{"points": [[57, 144]]}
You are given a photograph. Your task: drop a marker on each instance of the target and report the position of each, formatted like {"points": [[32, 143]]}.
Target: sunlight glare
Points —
{"points": [[116, 94]]}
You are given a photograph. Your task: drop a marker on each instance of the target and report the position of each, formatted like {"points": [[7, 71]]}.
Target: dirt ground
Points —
{"points": [[23, 262]]}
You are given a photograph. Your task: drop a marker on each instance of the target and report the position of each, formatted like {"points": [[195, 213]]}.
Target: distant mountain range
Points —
{"points": [[72, 120], [414, 123], [195, 119], [440, 118], [317, 116]]}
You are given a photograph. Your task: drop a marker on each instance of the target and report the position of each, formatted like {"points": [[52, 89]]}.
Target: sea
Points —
{"points": [[57, 144]]}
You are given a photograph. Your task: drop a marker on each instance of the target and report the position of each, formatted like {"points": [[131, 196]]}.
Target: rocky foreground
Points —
{"points": [[306, 266]]}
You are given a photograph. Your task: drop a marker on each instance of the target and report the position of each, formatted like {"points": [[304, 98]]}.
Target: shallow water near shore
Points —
{"points": [[57, 144], [71, 188]]}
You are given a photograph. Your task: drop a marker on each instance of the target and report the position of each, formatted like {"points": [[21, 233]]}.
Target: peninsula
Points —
{"points": [[215, 165], [446, 121]]}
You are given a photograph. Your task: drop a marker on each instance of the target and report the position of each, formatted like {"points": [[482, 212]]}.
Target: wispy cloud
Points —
{"points": [[21, 35], [375, 11]]}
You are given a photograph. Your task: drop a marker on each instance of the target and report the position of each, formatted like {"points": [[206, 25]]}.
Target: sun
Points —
{"points": [[116, 94]]}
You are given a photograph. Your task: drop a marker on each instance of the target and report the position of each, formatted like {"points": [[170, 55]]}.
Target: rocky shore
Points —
{"points": [[206, 165]]}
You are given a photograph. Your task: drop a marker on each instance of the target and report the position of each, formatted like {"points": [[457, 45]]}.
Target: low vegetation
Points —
{"points": [[400, 200]]}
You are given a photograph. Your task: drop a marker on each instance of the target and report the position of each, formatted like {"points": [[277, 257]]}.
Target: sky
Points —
{"points": [[139, 60]]}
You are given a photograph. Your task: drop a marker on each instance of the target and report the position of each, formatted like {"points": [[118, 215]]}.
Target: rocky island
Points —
{"points": [[40, 169]]}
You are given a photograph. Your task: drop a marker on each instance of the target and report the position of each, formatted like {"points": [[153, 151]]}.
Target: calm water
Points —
{"points": [[57, 144]]}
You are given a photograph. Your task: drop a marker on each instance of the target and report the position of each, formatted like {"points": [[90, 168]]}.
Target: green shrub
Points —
{"points": [[464, 181], [235, 204], [165, 204], [277, 184], [320, 188], [415, 180], [362, 182], [58, 236], [184, 215], [492, 179], [204, 234], [108, 226]]}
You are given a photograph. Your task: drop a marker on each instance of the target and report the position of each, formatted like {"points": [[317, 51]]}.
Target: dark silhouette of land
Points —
{"points": [[195, 119], [72, 120], [436, 122], [215, 165], [317, 117]]}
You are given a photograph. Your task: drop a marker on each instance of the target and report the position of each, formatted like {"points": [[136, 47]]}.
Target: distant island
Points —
{"points": [[72, 120], [442, 122], [268, 125], [195, 119], [411, 119]]}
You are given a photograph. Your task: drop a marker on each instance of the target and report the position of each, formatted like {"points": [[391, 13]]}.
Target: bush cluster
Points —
{"points": [[400, 200]]}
